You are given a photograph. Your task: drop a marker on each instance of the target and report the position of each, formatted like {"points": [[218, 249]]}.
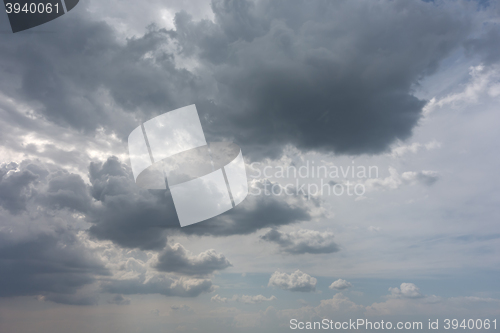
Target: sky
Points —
{"points": [[370, 135]]}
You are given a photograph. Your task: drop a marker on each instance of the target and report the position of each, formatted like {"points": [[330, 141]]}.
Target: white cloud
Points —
{"points": [[425, 177], [406, 290], [177, 259], [402, 149], [395, 180], [218, 299], [296, 281], [483, 81], [340, 285], [391, 182]]}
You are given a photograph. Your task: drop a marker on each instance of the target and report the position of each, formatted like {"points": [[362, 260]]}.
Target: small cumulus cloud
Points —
{"points": [[296, 281], [406, 290], [177, 259], [340, 285]]}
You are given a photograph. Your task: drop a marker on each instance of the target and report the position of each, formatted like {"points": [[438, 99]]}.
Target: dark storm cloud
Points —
{"points": [[331, 76], [120, 211], [15, 187], [128, 215], [69, 75], [175, 259], [31, 181], [52, 264], [65, 190], [51, 261], [253, 214], [39, 255], [302, 241], [132, 217]]}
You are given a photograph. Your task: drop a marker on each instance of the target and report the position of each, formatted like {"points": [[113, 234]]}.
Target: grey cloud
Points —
{"points": [[340, 284], [120, 211], [69, 76], [296, 281], [65, 190], [487, 45], [310, 75], [45, 258], [133, 217], [254, 213], [427, 177], [268, 73], [59, 156], [46, 185], [15, 187], [54, 265], [183, 287], [302, 241], [176, 259], [128, 215]]}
